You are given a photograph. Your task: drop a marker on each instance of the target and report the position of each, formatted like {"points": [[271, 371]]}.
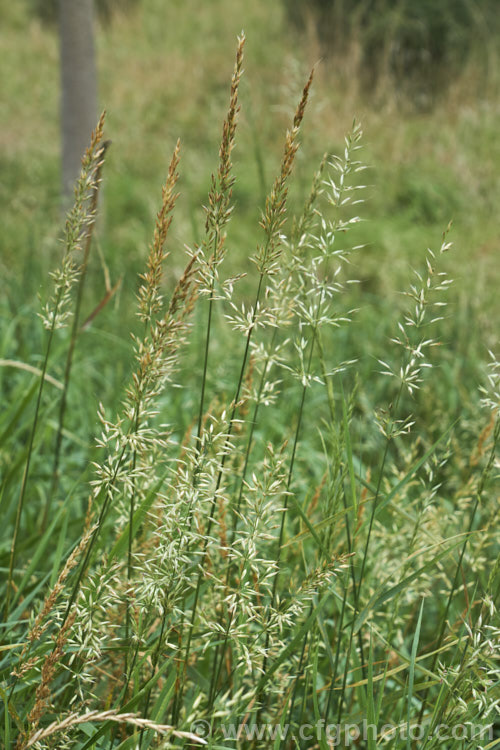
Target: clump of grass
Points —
{"points": [[290, 554]]}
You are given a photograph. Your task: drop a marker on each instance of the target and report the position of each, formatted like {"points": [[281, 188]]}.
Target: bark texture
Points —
{"points": [[78, 85]]}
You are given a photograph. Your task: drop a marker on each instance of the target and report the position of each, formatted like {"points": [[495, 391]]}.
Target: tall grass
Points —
{"points": [[258, 559]]}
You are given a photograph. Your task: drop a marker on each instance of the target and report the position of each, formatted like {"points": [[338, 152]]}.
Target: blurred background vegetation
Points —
{"points": [[421, 77], [419, 48]]}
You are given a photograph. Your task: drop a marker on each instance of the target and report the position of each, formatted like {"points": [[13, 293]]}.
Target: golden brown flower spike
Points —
{"points": [[267, 256], [150, 298], [219, 208], [42, 696]]}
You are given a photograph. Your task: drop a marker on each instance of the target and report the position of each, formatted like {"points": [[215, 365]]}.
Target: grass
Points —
{"points": [[272, 516]]}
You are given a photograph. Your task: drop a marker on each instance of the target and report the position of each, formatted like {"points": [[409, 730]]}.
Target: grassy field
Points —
{"points": [[275, 508]]}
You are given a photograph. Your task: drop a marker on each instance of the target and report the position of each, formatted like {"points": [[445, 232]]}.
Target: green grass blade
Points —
{"points": [[384, 593], [44, 543], [370, 702], [350, 462], [413, 658]]}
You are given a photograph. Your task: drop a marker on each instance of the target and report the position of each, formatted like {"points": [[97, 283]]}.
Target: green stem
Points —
{"points": [[217, 669], [337, 656], [218, 483], [205, 362], [285, 504], [458, 569], [350, 548], [26, 472], [73, 339]]}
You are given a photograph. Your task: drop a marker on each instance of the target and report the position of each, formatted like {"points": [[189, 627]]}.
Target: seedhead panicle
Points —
{"points": [[491, 391], [43, 693], [268, 254], [413, 337], [150, 297], [219, 209], [56, 312]]}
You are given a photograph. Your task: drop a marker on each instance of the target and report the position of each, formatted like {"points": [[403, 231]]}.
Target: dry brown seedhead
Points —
{"points": [[219, 209], [229, 126], [39, 626], [274, 215], [42, 696], [185, 292], [149, 293]]}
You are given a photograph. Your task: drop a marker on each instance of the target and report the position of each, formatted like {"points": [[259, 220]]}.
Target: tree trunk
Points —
{"points": [[78, 86]]}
